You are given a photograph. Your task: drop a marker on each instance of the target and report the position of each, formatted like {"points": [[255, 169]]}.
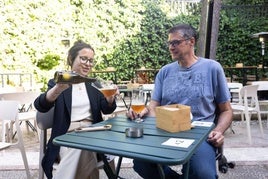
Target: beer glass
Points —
{"points": [[106, 87], [137, 103]]}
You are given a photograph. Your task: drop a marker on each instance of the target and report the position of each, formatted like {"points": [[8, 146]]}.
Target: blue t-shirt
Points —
{"points": [[201, 86]]}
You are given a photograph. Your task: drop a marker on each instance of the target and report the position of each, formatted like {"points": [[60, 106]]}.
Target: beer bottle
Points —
{"points": [[71, 77]]}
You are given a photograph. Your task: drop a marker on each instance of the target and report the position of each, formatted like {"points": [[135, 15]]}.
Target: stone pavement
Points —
{"points": [[251, 160]]}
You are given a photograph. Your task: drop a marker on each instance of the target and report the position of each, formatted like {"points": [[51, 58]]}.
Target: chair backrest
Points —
{"points": [[147, 86], [250, 93], [8, 110], [45, 120], [235, 88], [8, 113]]}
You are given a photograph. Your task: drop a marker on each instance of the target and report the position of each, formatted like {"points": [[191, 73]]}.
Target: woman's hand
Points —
{"points": [[60, 87], [132, 115], [111, 99], [54, 92]]}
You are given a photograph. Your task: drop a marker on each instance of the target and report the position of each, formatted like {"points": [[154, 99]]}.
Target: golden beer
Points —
{"points": [[108, 91], [137, 107]]}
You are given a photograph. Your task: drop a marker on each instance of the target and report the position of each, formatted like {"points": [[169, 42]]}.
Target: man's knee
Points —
{"points": [[201, 174]]}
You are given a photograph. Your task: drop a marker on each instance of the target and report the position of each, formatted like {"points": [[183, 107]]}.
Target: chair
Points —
{"points": [[235, 88], [249, 105], [223, 163], [147, 90], [9, 112], [26, 110], [263, 96], [44, 122]]}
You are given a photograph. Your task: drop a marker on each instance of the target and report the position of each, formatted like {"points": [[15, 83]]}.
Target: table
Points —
{"points": [[147, 148]]}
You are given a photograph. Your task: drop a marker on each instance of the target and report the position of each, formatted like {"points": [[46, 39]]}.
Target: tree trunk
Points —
{"points": [[209, 28]]}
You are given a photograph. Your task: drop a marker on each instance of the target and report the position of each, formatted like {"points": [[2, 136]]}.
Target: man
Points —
{"points": [[196, 82]]}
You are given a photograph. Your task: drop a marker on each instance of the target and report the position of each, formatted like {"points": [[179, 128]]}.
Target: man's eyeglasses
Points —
{"points": [[175, 43], [85, 60]]}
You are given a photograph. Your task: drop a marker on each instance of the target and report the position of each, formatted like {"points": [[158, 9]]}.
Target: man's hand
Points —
{"points": [[216, 138]]}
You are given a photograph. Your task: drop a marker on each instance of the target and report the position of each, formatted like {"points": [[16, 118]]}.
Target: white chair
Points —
{"points": [[9, 112], [249, 105], [147, 90], [263, 86], [235, 91], [234, 88], [27, 111]]}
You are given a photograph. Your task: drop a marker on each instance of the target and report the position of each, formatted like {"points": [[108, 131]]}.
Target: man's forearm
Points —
{"points": [[224, 121]]}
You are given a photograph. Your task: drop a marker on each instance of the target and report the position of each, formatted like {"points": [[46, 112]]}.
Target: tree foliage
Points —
{"points": [[48, 62], [147, 48], [30, 30], [126, 34]]}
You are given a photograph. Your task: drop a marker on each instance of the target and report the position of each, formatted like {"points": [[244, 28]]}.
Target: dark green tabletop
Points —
{"points": [[148, 148]]}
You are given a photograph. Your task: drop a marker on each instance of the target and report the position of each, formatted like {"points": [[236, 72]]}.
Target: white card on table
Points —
{"points": [[178, 142], [202, 123]]}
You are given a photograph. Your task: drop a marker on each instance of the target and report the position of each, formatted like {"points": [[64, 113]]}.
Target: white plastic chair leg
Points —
{"points": [[22, 150], [248, 127], [260, 123], [43, 139]]}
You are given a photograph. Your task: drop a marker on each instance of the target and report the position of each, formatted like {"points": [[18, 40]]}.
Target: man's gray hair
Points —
{"points": [[186, 30]]}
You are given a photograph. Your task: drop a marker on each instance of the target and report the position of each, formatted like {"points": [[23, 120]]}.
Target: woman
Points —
{"points": [[75, 105]]}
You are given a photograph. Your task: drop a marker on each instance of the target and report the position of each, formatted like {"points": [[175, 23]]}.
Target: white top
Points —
{"points": [[80, 103]]}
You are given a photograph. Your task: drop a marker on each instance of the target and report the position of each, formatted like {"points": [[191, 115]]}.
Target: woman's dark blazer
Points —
{"points": [[62, 117]]}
